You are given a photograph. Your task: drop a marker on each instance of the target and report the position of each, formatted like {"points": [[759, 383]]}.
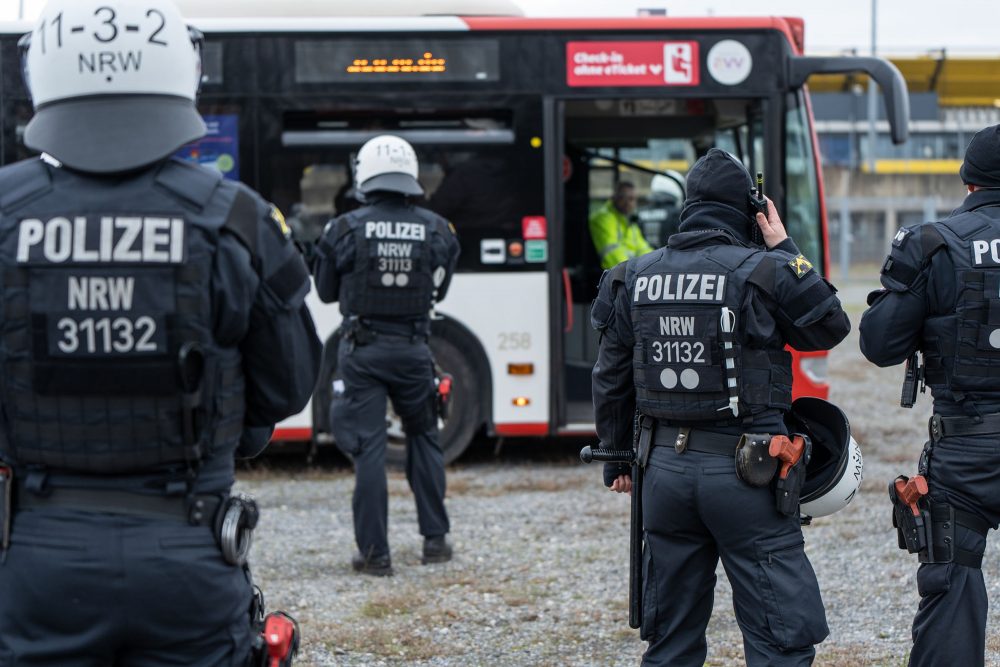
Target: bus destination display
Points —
{"points": [[397, 60]]}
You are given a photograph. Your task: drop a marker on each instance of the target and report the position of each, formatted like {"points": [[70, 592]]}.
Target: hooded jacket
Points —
{"points": [[785, 302]]}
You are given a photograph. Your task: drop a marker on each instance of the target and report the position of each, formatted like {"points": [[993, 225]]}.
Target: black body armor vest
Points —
{"points": [[108, 359], [393, 268], [690, 363], [962, 349]]}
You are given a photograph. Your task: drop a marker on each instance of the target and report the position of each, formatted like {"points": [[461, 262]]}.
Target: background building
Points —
{"points": [[951, 98]]}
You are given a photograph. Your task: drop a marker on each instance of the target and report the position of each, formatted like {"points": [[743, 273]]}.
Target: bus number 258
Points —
{"points": [[515, 340]]}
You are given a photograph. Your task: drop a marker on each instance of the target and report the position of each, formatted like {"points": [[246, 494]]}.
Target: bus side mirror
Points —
{"points": [[885, 74]]}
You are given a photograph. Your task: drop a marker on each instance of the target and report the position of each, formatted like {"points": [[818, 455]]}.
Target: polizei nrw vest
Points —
{"points": [[107, 354], [689, 362], [392, 272], [962, 349]]}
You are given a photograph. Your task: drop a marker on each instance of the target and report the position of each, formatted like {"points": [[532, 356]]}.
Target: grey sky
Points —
{"points": [[904, 26]]}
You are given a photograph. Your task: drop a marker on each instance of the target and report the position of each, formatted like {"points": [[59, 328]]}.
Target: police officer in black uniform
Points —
{"points": [[153, 326], [387, 263], [941, 297], [693, 339]]}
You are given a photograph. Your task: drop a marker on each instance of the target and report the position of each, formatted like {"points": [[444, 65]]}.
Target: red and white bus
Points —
{"points": [[522, 127]]}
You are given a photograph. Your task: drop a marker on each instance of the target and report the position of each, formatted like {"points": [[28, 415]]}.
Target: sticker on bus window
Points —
{"points": [[536, 252], [219, 148], [515, 251], [492, 251], [534, 227], [632, 63]]}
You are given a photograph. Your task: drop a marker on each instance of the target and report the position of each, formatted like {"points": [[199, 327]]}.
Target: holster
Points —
{"points": [[942, 519], [274, 637], [442, 396], [913, 531], [358, 333], [926, 526], [788, 489]]}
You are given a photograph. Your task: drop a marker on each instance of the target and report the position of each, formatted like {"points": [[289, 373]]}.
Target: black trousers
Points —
{"points": [[81, 589], [402, 369], [949, 627], [696, 511]]}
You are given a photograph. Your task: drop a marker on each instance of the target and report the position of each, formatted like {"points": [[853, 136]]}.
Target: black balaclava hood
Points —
{"points": [[982, 159], [718, 189]]}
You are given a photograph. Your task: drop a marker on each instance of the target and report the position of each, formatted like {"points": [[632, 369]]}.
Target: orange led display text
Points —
{"points": [[427, 64]]}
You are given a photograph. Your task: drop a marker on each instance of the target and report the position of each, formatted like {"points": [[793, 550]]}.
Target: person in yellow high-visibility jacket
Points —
{"points": [[615, 237]]}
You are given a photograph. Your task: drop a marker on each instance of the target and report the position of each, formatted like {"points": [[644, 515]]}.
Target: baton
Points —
{"points": [[589, 454]]}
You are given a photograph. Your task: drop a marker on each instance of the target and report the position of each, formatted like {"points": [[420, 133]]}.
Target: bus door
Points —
{"points": [[649, 143]]}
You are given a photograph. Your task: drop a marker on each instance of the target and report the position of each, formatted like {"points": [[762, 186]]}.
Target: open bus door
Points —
{"points": [[648, 142], [598, 142]]}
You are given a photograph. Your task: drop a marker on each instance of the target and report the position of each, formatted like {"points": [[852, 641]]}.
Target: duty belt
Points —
{"points": [[195, 510], [404, 329], [939, 427], [707, 442]]}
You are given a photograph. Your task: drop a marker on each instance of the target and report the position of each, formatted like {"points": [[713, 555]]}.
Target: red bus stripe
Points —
{"points": [[304, 433], [536, 428]]}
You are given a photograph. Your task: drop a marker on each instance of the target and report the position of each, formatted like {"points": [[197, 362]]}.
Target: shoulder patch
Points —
{"points": [[900, 238], [278, 219], [800, 266], [342, 225], [617, 274], [931, 240], [899, 271]]}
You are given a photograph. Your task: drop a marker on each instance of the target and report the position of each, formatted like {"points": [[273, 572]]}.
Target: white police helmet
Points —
{"points": [[834, 472], [113, 83], [387, 162]]}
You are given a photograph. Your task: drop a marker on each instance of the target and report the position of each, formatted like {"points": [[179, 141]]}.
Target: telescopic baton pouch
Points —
{"points": [[6, 510]]}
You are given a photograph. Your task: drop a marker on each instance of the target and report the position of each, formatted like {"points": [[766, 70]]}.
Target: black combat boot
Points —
{"points": [[436, 550], [378, 566]]}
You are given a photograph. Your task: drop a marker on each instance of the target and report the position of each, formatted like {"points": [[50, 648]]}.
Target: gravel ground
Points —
{"points": [[540, 573]]}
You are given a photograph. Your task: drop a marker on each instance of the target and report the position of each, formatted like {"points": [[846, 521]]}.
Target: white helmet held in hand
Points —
{"points": [[387, 162], [834, 473], [113, 83]]}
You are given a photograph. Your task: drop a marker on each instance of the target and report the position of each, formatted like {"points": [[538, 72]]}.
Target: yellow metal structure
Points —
{"points": [[949, 167], [959, 81]]}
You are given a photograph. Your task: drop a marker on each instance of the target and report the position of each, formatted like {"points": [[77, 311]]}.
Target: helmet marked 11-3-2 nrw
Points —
{"points": [[113, 83]]}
